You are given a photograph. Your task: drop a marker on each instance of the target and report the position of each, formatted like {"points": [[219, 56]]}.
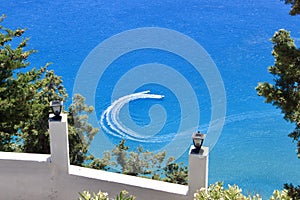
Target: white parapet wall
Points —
{"points": [[24, 176], [27, 176]]}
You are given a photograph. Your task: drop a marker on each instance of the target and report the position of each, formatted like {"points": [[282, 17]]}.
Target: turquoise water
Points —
{"points": [[253, 150]]}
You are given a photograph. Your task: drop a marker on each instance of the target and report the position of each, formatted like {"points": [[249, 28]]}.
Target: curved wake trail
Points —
{"points": [[111, 117], [110, 121]]}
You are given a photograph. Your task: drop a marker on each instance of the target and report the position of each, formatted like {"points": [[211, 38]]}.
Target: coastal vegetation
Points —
{"points": [[284, 91], [26, 91], [295, 6], [215, 191], [86, 195], [25, 95], [144, 163]]}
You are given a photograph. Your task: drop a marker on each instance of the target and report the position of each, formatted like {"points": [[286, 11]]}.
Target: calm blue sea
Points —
{"points": [[253, 149]]}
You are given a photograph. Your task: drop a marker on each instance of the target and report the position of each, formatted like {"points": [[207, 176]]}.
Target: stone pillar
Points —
{"points": [[59, 144], [198, 170]]}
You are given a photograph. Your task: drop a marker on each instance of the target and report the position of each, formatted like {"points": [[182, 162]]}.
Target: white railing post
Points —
{"points": [[198, 170], [59, 144]]}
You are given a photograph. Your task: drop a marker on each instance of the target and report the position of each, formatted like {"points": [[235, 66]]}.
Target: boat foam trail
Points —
{"points": [[111, 116]]}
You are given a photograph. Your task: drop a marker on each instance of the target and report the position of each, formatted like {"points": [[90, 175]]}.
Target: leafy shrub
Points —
{"points": [[214, 192], [147, 164], [217, 192], [86, 195], [292, 191], [123, 195], [280, 195], [176, 173]]}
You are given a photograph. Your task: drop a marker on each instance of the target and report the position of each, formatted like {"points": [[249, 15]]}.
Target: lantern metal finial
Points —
{"points": [[56, 106], [198, 139]]}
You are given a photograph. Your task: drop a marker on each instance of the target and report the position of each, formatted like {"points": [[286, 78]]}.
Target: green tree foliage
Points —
{"points": [[81, 132], [25, 95], [137, 163], [176, 173], [148, 164], [100, 163], [295, 9], [292, 191], [285, 92]]}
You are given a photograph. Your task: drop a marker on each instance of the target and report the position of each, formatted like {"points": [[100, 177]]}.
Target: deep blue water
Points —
{"points": [[253, 150]]}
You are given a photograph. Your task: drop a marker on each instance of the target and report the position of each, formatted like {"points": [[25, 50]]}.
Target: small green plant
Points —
{"points": [[292, 191], [281, 195], [217, 192], [86, 195], [214, 192], [123, 195]]}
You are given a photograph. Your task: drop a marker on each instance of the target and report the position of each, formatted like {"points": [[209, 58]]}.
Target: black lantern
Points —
{"points": [[198, 139], [56, 106]]}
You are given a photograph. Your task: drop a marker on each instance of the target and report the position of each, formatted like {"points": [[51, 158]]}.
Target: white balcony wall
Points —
{"points": [[27, 176]]}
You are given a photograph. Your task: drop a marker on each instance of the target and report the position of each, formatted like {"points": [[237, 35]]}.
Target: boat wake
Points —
{"points": [[110, 119]]}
